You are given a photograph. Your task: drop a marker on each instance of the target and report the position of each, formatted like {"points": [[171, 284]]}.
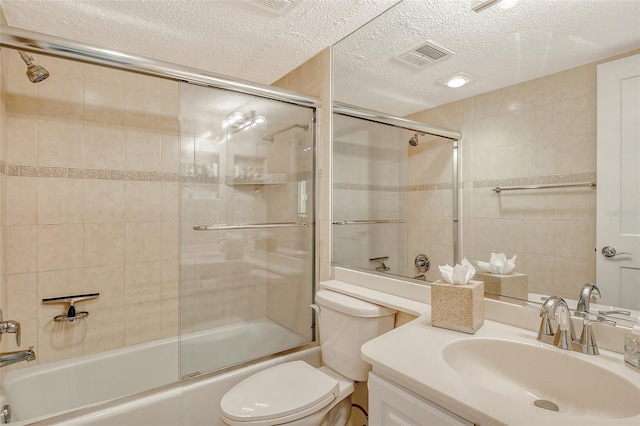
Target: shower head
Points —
{"points": [[35, 73], [414, 140]]}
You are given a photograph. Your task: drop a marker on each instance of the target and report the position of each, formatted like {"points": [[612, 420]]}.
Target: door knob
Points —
{"points": [[610, 251], [422, 262]]}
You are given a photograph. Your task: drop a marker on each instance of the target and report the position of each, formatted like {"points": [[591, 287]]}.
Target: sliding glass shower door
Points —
{"points": [[247, 228], [369, 195]]}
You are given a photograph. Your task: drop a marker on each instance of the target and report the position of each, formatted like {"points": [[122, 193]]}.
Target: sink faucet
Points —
{"points": [[555, 308], [8, 358], [588, 291]]}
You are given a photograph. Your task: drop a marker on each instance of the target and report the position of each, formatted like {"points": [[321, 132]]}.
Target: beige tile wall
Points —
{"points": [[314, 78], [539, 131], [92, 205]]}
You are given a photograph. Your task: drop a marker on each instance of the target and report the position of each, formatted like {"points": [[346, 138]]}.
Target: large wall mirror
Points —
{"points": [[530, 115]]}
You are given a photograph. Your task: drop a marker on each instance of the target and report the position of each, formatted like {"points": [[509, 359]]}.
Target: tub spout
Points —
{"points": [[8, 358]]}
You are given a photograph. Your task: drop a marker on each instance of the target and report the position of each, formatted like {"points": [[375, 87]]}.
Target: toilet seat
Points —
{"points": [[279, 394]]}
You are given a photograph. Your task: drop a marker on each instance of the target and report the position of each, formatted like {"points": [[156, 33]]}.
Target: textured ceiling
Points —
{"points": [[499, 47], [232, 37]]}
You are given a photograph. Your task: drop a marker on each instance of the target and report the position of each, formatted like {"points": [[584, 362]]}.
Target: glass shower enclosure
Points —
{"points": [[247, 228]]}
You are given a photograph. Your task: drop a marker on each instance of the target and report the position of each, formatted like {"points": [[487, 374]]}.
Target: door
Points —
{"points": [[618, 205]]}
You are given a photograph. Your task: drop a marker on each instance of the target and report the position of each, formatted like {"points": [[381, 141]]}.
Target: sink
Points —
{"points": [[529, 373]]}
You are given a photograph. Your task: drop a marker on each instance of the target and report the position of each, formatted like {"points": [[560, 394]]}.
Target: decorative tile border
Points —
{"points": [[368, 187], [142, 176], [275, 178], [89, 174], [13, 170], [41, 171]]}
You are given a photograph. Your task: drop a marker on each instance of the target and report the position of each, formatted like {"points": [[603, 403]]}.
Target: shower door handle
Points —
{"points": [[248, 226]]}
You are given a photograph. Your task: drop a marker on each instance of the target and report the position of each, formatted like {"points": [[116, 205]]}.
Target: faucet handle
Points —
{"points": [[565, 336], [7, 327], [545, 333], [587, 342]]}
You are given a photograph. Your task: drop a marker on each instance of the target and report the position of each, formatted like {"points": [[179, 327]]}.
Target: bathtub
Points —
{"points": [[45, 390]]}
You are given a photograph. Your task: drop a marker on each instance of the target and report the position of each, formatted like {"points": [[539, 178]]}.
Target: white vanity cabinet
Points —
{"points": [[392, 405]]}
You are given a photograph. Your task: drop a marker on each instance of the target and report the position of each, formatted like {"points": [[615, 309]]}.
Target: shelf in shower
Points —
{"points": [[262, 179]]}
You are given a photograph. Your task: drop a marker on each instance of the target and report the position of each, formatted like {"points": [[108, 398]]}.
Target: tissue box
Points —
{"points": [[512, 286], [457, 307]]}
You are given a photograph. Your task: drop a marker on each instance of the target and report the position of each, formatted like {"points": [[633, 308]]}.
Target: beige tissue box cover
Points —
{"points": [[457, 307], [513, 285]]}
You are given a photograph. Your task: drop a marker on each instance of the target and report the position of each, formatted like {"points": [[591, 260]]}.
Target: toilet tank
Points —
{"points": [[345, 324]]}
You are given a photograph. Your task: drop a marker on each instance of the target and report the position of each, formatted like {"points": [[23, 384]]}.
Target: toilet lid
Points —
{"points": [[279, 391]]}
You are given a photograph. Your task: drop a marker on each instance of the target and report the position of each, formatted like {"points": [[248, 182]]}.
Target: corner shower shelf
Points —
{"points": [[263, 179]]}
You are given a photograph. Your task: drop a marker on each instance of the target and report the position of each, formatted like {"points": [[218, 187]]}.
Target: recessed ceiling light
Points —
{"points": [[504, 4], [507, 4], [458, 79]]}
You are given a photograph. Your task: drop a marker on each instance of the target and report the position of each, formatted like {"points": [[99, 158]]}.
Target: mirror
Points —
{"points": [[527, 116]]}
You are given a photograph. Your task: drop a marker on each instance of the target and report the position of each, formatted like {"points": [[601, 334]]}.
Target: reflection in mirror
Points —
{"points": [[394, 195], [529, 118]]}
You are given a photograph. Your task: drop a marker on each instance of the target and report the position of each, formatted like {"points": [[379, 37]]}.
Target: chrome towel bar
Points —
{"points": [[228, 226], [366, 222], [499, 189]]}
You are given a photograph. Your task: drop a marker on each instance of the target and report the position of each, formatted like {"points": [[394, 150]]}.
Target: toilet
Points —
{"points": [[295, 393]]}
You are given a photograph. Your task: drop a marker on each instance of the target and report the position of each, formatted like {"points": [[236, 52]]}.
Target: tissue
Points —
{"points": [[498, 264], [459, 274]]}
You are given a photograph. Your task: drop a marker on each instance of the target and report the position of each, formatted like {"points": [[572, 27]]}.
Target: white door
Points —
{"points": [[618, 205]]}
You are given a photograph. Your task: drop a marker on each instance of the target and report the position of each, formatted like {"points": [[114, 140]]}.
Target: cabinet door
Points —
{"points": [[391, 405]]}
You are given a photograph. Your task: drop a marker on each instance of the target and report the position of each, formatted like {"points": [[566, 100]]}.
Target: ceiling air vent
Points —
{"points": [[279, 7], [425, 54]]}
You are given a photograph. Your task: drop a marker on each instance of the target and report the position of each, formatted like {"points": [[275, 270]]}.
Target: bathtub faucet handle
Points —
{"points": [[10, 326]]}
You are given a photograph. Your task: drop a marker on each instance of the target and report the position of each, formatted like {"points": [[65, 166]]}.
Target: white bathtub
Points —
{"points": [[45, 390]]}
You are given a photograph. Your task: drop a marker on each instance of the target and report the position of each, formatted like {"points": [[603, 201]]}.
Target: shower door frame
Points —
{"points": [[34, 42], [39, 43]]}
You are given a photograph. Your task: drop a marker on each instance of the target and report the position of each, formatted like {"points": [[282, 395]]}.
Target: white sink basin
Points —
{"points": [[527, 373]]}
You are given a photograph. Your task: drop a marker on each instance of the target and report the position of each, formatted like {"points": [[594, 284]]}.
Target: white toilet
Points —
{"points": [[295, 393]]}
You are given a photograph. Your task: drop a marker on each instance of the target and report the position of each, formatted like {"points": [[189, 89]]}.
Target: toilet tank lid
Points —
{"points": [[351, 306]]}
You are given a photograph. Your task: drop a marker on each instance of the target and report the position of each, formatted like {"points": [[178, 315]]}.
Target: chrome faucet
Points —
{"points": [[10, 326], [555, 308], [545, 333], [584, 300], [8, 358], [381, 260]]}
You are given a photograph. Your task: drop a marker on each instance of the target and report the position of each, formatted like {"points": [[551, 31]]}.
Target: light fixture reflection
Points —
{"points": [[239, 121]]}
